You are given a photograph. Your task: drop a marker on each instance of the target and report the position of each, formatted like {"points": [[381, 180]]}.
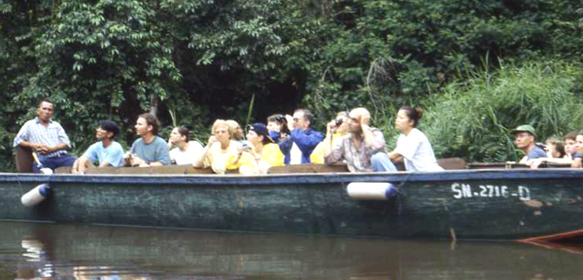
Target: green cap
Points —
{"points": [[525, 128]]}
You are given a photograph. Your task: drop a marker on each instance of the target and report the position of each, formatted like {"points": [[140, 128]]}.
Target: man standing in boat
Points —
{"points": [[149, 149], [524, 138], [46, 138], [302, 135], [363, 148], [107, 151]]}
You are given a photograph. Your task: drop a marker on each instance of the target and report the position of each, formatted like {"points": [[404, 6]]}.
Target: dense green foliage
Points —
{"points": [[206, 59], [474, 118]]}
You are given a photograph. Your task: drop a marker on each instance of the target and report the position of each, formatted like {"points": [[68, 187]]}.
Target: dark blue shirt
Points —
{"points": [[306, 140], [284, 145]]}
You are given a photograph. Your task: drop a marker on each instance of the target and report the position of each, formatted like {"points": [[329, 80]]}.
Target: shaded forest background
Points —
{"points": [[477, 68]]}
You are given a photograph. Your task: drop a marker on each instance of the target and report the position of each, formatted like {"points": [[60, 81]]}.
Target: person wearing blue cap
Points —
{"points": [[265, 151], [524, 138], [106, 152]]}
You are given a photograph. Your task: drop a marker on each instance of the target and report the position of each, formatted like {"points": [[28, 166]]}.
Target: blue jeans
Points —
{"points": [[54, 162], [381, 162]]}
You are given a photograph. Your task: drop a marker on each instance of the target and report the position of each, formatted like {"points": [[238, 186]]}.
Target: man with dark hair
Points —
{"points": [[107, 151], [570, 144], [302, 135], [46, 138], [149, 149], [524, 138]]}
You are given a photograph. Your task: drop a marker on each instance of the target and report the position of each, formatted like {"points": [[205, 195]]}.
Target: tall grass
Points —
{"points": [[473, 119]]}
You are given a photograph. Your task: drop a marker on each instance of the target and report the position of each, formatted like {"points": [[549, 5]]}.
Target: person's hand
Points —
{"points": [[137, 161], [331, 127], [212, 140], [42, 148], [534, 164], [283, 136], [290, 122], [364, 120]]}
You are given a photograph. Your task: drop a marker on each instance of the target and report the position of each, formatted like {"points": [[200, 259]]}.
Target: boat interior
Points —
{"points": [[24, 161]]}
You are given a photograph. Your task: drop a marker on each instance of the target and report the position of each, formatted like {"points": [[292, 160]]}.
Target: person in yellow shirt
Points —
{"points": [[317, 155], [222, 153], [263, 149]]}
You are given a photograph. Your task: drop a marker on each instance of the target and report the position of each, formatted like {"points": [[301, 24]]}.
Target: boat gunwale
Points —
{"points": [[297, 178]]}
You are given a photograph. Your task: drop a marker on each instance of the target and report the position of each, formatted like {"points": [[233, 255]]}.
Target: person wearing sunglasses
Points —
{"points": [[302, 135]]}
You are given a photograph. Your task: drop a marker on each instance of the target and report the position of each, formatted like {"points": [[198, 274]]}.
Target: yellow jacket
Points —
{"points": [[317, 155]]}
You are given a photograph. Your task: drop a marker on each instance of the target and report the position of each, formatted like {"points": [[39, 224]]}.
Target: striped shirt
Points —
{"points": [[33, 131]]}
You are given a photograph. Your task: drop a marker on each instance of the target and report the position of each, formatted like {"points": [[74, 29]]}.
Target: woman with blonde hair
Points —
{"points": [[222, 153]]}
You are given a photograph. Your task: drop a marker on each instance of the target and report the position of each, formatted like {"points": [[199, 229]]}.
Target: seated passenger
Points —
{"points": [[570, 144], [524, 138], [578, 156], [222, 153], [555, 148], [363, 148], [279, 132], [149, 149], [413, 146], [185, 150], [302, 135], [340, 130], [555, 154], [238, 134], [46, 138], [106, 152], [264, 150]]}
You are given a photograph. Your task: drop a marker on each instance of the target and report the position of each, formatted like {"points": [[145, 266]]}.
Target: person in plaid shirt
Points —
{"points": [[46, 138]]}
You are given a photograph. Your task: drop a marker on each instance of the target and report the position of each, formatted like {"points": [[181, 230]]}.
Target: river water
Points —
{"points": [[61, 251]]}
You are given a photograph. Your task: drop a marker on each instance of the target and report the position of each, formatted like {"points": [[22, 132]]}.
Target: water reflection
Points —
{"points": [[40, 251]]}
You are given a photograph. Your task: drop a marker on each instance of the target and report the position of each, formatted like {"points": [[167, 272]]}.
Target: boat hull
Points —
{"points": [[474, 204]]}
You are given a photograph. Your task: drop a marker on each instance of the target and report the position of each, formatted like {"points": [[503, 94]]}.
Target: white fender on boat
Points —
{"points": [[36, 195], [371, 191], [46, 171]]}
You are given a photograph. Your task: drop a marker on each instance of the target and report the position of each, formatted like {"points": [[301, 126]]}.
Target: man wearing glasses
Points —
{"points": [[302, 135]]}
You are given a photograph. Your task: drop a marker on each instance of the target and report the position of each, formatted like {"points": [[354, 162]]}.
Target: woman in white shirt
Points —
{"points": [[413, 147], [185, 151]]}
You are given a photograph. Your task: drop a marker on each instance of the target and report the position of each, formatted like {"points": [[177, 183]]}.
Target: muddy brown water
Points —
{"points": [[63, 251]]}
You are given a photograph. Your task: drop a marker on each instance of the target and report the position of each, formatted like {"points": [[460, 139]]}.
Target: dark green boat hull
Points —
{"points": [[476, 204]]}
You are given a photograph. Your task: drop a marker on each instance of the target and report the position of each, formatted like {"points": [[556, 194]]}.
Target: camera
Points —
{"points": [[246, 146]]}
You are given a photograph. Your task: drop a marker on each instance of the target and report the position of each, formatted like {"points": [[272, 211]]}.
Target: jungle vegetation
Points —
{"points": [[476, 68]]}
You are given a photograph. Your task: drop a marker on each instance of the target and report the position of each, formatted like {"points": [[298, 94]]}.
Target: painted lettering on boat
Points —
{"points": [[469, 191]]}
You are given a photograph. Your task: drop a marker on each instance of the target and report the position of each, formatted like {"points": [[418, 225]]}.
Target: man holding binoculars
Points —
{"points": [[363, 148]]}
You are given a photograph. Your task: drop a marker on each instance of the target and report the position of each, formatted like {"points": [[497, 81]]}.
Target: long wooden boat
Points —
{"points": [[492, 203]]}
